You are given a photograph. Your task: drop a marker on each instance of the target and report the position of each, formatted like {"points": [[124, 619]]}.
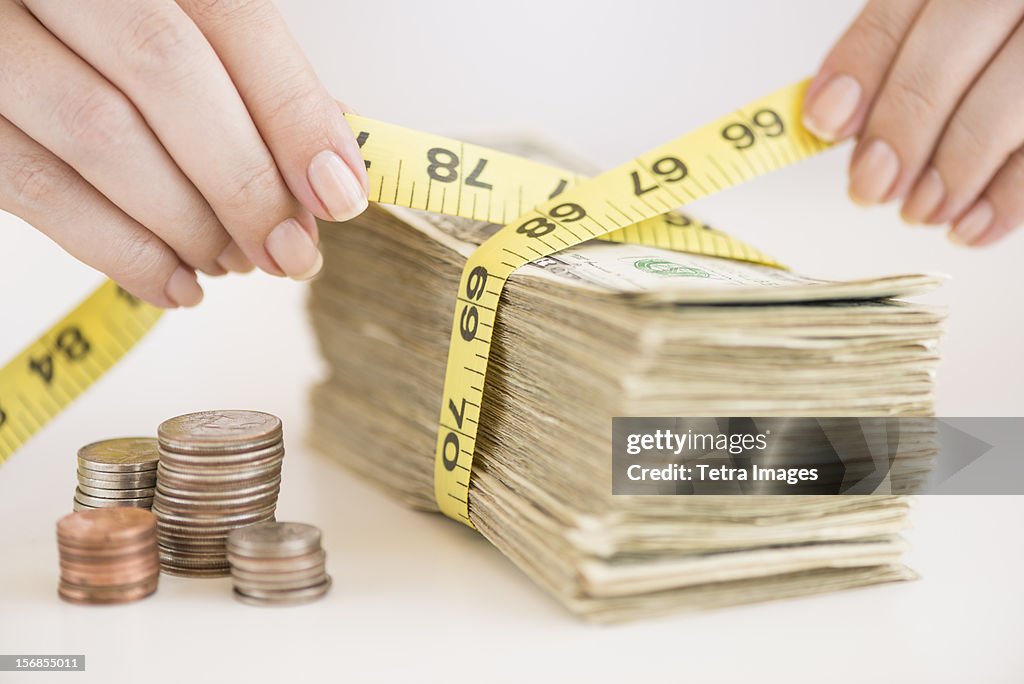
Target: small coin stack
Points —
{"points": [[277, 563], [117, 473], [107, 555], [218, 470]]}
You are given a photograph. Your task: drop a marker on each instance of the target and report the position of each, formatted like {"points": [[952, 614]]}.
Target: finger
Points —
{"points": [[49, 194], [311, 143], [985, 130], [152, 51], [1000, 209], [60, 101], [933, 70], [233, 259], [841, 94]]}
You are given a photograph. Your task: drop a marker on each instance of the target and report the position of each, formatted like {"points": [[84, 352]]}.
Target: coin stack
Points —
{"points": [[218, 470], [107, 555], [277, 563], [117, 473]]}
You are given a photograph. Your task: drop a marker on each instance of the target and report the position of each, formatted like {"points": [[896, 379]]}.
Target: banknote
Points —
{"points": [[604, 330]]}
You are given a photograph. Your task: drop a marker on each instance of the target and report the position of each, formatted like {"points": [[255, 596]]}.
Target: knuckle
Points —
{"points": [[967, 132], [225, 9], [36, 179], [914, 94], [252, 187], [140, 260], [157, 40], [204, 245], [878, 29], [98, 118], [290, 100]]}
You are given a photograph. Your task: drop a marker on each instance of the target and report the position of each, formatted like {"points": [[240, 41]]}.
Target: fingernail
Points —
{"points": [[336, 186], [973, 224], [832, 107], [873, 173], [233, 259], [294, 251], [182, 288], [219, 270], [925, 198]]}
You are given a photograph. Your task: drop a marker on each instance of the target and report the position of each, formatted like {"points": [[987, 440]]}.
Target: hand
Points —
{"points": [[933, 90], [153, 138]]}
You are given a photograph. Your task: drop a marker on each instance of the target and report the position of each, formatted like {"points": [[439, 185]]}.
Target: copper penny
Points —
{"points": [[106, 526]]}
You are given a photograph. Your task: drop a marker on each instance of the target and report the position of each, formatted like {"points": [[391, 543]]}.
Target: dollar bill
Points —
{"points": [[603, 330]]}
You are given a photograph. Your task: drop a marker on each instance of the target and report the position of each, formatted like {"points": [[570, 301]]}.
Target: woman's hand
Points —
{"points": [[153, 138], [934, 92]]}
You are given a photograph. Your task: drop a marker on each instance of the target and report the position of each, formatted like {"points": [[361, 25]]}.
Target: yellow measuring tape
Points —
{"points": [[754, 140], [422, 171], [550, 209], [48, 375]]}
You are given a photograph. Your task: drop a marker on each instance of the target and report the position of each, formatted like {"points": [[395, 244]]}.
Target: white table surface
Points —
{"points": [[416, 596]]}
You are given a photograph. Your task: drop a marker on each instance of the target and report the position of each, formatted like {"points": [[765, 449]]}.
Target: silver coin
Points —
{"points": [[206, 515], [223, 499], [270, 565], [108, 485], [172, 538], [217, 470], [239, 449], [200, 492], [218, 508], [182, 557], [205, 482], [206, 477], [193, 531], [189, 571], [280, 598], [218, 430], [218, 463], [207, 529], [127, 454], [206, 518], [193, 572], [213, 494], [275, 539], [190, 538], [136, 479], [219, 518], [196, 531], [140, 502], [185, 547], [211, 520], [221, 459], [108, 493], [275, 585], [112, 503], [305, 574]]}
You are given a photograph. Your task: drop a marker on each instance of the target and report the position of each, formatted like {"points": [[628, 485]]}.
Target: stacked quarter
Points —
{"points": [[107, 555], [117, 473], [277, 563], [219, 470]]}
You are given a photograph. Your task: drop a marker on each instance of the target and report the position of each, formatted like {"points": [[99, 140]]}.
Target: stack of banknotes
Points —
{"points": [[605, 330]]}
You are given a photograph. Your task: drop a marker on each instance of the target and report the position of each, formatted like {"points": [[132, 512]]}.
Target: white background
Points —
{"points": [[417, 596]]}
